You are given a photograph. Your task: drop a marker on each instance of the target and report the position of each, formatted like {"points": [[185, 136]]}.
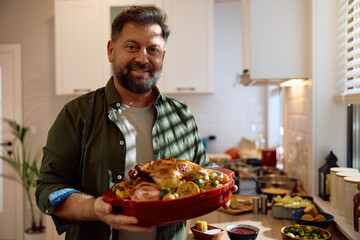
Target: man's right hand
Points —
{"points": [[104, 212]]}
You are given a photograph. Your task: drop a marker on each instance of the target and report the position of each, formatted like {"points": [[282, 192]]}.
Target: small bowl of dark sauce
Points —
{"points": [[242, 232]]}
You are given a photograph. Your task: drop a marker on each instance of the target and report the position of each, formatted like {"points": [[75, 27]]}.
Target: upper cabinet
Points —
{"points": [[82, 30], [276, 38], [78, 50], [188, 64]]}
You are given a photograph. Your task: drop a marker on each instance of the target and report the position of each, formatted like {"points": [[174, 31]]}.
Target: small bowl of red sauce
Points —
{"points": [[242, 232]]}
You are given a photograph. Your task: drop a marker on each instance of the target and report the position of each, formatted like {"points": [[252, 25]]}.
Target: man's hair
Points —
{"points": [[142, 15]]}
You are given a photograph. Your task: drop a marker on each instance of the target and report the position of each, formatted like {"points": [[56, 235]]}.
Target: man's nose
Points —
{"points": [[142, 56]]}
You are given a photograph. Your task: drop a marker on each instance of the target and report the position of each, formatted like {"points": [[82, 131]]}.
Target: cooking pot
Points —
{"points": [[277, 183]]}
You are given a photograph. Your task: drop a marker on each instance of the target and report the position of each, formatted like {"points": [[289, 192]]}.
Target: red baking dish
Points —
{"points": [[158, 213]]}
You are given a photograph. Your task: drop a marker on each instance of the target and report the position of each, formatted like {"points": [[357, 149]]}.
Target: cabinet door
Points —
{"points": [[276, 38], [78, 50], [188, 58]]}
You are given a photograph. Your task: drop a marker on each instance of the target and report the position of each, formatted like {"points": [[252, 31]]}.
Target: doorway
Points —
{"points": [[11, 194]]}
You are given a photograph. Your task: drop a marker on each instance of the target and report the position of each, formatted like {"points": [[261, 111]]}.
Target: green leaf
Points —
{"points": [[21, 160]]}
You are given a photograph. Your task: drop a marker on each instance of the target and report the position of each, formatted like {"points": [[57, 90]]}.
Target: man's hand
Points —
{"points": [[104, 212]]}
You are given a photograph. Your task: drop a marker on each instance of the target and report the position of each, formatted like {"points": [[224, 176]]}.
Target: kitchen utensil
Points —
{"points": [[284, 236], [157, 213], [213, 233], [275, 182], [281, 211], [242, 232], [296, 215]]}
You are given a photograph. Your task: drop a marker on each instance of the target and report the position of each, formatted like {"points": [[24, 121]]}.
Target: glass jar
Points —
{"points": [[340, 187], [333, 184], [350, 188]]}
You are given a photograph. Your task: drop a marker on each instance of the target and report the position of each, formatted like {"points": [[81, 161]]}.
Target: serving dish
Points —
{"points": [[284, 211], [158, 213], [325, 233], [208, 235], [296, 215], [241, 235]]}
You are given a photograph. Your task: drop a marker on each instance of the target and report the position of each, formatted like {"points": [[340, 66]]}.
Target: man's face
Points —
{"points": [[137, 56]]}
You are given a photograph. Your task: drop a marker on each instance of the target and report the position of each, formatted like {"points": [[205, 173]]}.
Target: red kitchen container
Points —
{"points": [[268, 158], [157, 213]]}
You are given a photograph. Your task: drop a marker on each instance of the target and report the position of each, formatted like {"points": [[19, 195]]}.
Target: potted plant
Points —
{"points": [[25, 169]]}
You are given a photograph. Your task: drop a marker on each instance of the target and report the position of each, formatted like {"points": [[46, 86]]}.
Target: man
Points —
{"points": [[98, 137]]}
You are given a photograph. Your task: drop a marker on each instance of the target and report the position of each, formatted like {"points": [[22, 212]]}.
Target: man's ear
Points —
{"points": [[164, 53], [110, 51]]}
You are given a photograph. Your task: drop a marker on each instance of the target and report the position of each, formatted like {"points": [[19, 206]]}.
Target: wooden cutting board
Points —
{"points": [[243, 207]]}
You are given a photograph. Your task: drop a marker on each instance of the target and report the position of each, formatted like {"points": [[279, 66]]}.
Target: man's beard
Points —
{"points": [[136, 84]]}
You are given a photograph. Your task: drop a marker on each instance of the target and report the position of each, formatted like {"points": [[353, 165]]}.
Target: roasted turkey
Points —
{"points": [[169, 172]]}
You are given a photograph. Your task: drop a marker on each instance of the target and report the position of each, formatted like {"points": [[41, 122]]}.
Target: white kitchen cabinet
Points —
{"points": [[189, 51], [78, 50], [276, 38], [83, 27]]}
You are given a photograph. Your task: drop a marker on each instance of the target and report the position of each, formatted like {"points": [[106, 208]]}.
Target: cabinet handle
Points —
{"points": [[185, 89], [82, 90]]}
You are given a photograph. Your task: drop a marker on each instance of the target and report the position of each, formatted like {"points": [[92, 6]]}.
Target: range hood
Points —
{"points": [[246, 80]]}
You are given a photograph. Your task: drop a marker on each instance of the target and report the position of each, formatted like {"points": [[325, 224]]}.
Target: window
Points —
{"points": [[351, 93], [353, 139], [352, 82]]}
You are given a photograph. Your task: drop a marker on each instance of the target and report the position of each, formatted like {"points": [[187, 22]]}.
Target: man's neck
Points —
{"points": [[133, 99]]}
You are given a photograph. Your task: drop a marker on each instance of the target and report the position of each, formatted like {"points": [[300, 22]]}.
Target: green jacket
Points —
{"points": [[85, 150]]}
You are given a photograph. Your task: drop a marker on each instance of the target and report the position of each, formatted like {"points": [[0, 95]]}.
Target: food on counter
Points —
{"points": [[273, 190], [168, 179], [291, 201], [234, 204], [201, 226], [311, 210], [247, 202], [304, 232], [312, 214], [320, 217], [208, 233], [242, 230], [307, 217]]}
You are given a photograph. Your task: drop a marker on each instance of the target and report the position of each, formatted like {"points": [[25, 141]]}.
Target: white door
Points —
{"points": [[11, 196]]}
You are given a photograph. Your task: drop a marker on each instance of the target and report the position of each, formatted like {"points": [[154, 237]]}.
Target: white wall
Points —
{"points": [[298, 133], [316, 124], [329, 118]]}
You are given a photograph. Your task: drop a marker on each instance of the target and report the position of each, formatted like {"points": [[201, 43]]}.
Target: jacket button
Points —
{"points": [[119, 177], [121, 143]]}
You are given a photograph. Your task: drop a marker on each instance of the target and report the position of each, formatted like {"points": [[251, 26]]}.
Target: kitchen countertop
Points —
{"points": [[268, 225]]}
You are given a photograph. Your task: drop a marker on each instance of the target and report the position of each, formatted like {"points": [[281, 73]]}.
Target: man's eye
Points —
{"points": [[131, 47], [154, 50]]}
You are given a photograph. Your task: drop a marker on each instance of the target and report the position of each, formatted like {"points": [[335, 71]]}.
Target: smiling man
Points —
{"points": [[137, 55], [98, 137]]}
